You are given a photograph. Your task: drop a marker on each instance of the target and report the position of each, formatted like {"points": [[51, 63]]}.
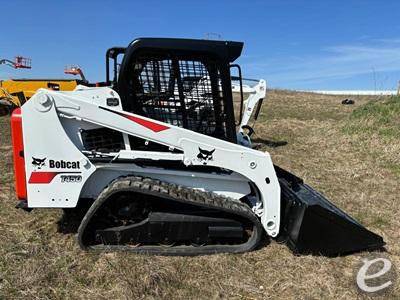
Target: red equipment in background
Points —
{"points": [[19, 62]]}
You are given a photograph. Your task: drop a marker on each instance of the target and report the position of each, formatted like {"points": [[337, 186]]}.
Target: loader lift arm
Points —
{"points": [[256, 90]]}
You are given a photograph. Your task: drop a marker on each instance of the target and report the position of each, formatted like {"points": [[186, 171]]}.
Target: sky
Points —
{"points": [[309, 45]]}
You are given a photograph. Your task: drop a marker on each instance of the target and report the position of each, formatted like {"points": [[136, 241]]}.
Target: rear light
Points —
{"points": [[18, 154]]}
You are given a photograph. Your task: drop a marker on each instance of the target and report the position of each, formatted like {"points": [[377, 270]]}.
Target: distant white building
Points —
{"points": [[355, 92]]}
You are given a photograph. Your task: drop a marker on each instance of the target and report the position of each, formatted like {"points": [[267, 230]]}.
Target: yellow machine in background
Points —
{"points": [[15, 92]]}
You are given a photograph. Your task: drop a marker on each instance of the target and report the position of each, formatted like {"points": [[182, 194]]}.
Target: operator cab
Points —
{"points": [[183, 82]]}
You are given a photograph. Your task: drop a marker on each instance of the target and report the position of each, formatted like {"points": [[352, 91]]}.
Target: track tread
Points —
{"points": [[181, 194]]}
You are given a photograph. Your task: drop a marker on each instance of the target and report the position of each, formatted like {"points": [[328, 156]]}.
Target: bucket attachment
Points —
{"points": [[313, 225]]}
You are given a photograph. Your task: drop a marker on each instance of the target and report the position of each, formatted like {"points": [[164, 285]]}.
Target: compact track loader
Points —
{"points": [[157, 158]]}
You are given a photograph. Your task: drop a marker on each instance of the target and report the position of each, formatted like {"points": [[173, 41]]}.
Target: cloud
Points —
{"points": [[336, 62]]}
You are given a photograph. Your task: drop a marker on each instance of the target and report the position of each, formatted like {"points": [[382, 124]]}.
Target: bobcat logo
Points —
{"points": [[205, 156], [37, 162]]}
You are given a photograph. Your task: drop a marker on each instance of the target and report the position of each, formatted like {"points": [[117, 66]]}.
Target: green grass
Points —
{"points": [[376, 117], [377, 121], [395, 168]]}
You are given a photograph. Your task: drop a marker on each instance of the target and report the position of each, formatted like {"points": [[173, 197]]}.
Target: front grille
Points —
{"points": [[102, 140]]}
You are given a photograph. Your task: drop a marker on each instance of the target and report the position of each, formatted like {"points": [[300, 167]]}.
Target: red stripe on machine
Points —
{"points": [[148, 124], [42, 177], [145, 123]]}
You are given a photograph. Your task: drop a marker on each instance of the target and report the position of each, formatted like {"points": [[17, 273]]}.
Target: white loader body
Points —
{"points": [[59, 172]]}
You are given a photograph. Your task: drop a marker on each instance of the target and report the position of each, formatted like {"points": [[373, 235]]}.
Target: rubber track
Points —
{"points": [[181, 194]]}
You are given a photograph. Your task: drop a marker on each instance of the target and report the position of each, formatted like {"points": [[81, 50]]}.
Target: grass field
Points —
{"points": [[350, 153]]}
